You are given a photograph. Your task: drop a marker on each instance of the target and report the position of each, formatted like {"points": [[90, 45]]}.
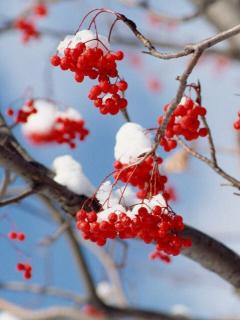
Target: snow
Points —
{"points": [[110, 200], [85, 36], [109, 197], [47, 113], [69, 173], [7, 316], [43, 120], [108, 293], [132, 140], [181, 310]]}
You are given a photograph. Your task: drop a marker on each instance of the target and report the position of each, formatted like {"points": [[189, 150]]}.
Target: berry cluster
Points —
{"points": [[95, 63], [24, 113], [27, 25], [20, 236], [236, 124], [159, 226], [144, 175], [63, 131], [183, 122], [26, 269]]}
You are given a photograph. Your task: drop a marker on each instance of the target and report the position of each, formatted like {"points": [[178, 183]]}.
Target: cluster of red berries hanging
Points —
{"points": [[26, 268], [43, 122], [23, 113], [133, 166], [157, 225], [19, 236], [185, 121], [22, 267], [27, 25], [88, 55], [236, 124], [144, 175]]}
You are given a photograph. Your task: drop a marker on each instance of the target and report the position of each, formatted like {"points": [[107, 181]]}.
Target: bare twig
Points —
{"points": [[18, 198], [43, 290], [234, 182]]}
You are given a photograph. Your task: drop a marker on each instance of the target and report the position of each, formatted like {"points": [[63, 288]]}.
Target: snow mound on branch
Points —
{"points": [[181, 310], [132, 140], [69, 173], [44, 119], [120, 200], [108, 292], [85, 36]]}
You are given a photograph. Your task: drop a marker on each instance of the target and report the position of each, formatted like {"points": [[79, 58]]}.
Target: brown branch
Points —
{"points": [[43, 290], [213, 257], [234, 182], [34, 172], [18, 198]]}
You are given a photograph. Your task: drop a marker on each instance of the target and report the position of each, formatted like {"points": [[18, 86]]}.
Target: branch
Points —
{"points": [[234, 182], [43, 290], [213, 255], [18, 198], [52, 313]]}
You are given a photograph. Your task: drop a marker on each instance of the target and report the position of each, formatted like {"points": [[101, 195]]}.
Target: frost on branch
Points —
{"points": [[69, 173], [43, 122], [87, 54]]}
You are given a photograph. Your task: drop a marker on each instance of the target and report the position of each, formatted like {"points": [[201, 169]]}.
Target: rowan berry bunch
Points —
{"points": [[144, 175], [185, 121], [43, 123], [64, 131], [157, 225], [22, 267], [87, 54], [236, 124], [19, 236], [26, 268], [23, 113], [27, 24]]}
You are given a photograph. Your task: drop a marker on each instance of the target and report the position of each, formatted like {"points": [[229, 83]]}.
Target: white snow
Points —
{"points": [[109, 197], [180, 310], [108, 292], [7, 316], [110, 200], [69, 173], [85, 36], [47, 112], [43, 120], [132, 140]]}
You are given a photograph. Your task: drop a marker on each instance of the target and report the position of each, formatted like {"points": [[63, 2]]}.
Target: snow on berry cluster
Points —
{"points": [[151, 221], [183, 122], [24, 113], [236, 124], [27, 25], [132, 165], [123, 215], [43, 122], [87, 54]]}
